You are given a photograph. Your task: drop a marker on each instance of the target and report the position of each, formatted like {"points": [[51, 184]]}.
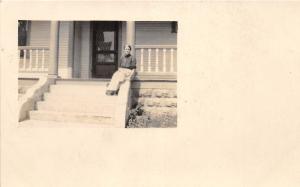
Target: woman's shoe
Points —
{"points": [[108, 92]]}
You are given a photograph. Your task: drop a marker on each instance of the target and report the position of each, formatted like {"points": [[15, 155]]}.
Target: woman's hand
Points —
{"points": [[131, 75]]}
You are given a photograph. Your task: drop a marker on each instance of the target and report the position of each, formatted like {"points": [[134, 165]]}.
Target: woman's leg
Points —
{"points": [[114, 84]]}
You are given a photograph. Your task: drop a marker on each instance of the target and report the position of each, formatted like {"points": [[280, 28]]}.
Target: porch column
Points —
{"points": [[53, 50], [130, 35]]}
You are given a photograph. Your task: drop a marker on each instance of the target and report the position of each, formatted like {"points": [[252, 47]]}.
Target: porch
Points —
{"points": [[153, 61], [74, 52]]}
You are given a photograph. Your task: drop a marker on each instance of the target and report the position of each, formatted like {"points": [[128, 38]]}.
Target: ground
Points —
{"points": [[139, 118]]}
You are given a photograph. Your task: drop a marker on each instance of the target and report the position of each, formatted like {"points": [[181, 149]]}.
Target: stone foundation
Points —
{"points": [[155, 97]]}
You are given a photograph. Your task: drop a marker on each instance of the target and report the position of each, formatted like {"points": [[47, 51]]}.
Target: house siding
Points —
{"points": [[39, 33], [154, 33]]}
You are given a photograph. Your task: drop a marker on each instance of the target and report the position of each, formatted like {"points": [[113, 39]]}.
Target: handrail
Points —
{"points": [[156, 46], [33, 47]]}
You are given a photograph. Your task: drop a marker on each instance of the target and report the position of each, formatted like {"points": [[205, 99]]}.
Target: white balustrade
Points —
{"points": [[33, 59], [162, 61]]}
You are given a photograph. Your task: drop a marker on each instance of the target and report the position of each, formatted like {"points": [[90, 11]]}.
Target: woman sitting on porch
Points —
{"points": [[125, 72]]}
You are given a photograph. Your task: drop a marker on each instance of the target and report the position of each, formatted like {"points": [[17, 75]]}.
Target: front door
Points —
{"points": [[105, 48]]}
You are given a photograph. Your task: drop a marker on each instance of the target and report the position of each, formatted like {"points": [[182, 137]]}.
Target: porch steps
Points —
{"points": [[77, 101], [85, 107], [57, 124], [70, 117], [79, 98]]}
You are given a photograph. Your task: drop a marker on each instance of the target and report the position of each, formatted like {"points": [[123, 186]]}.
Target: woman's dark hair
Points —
{"points": [[127, 45]]}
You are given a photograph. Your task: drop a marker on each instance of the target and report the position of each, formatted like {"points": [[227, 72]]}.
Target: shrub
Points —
{"points": [[138, 118]]}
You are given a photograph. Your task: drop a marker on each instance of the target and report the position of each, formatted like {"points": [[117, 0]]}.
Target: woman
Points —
{"points": [[125, 71]]}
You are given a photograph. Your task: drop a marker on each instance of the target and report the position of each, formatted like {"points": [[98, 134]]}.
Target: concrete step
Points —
{"points": [[82, 93], [57, 124], [83, 81], [69, 88], [80, 107], [63, 97], [77, 92], [70, 117]]}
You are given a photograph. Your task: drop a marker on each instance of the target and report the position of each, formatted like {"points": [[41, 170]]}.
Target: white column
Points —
{"points": [[130, 35], [65, 59], [53, 50]]}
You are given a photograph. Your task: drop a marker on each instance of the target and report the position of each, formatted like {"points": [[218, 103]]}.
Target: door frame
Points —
{"points": [[116, 47]]}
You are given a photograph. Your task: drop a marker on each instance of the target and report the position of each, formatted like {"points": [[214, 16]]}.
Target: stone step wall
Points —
{"points": [[24, 84]]}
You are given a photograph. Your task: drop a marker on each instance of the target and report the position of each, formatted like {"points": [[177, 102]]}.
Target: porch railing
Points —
{"points": [[150, 59], [156, 58], [33, 59]]}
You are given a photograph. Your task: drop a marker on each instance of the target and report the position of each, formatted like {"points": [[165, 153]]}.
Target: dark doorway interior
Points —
{"points": [[105, 48]]}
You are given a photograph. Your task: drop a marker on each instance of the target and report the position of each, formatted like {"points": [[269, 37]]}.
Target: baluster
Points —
{"points": [[149, 60], [156, 59], [24, 58], [47, 64], [43, 60], [164, 60], [172, 60], [142, 60], [30, 60], [20, 62], [36, 58]]}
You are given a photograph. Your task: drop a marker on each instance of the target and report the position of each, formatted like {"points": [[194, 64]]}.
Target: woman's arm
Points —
{"points": [[133, 63]]}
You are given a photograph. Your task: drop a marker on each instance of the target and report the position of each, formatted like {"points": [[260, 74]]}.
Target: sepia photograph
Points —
{"points": [[149, 93], [105, 73]]}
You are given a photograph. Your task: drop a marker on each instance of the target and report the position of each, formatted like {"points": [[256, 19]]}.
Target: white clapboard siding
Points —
{"points": [[39, 33], [155, 33]]}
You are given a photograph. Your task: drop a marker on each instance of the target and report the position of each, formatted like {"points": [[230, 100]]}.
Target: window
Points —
{"points": [[174, 27], [23, 28]]}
